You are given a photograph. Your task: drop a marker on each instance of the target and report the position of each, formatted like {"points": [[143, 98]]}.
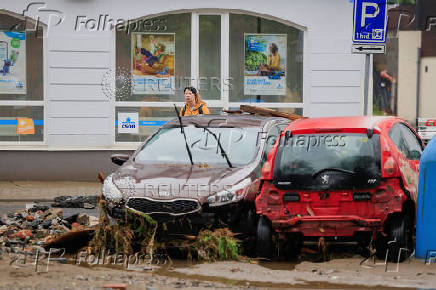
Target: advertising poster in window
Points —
{"points": [[265, 64], [153, 61], [12, 62]]}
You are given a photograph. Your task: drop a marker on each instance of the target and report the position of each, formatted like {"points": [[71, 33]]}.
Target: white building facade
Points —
{"points": [[94, 63]]}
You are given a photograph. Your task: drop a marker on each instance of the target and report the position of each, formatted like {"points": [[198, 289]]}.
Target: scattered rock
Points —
{"points": [[93, 221], [30, 218], [74, 201], [23, 234], [195, 284], [57, 211], [3, 229], [71, 218], [50, 217], [41, 233], [75, 227], [83, 219], [46, 224], [27, 226], [66, 223], [88, 205], [36, 208]]}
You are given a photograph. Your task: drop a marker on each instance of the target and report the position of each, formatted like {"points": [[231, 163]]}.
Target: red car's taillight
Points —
{"points": [[389, 164], [267, 172], [389, 167]]}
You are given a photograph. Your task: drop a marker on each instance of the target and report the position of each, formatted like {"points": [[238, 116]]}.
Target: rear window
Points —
{"points": [[328, 161]]}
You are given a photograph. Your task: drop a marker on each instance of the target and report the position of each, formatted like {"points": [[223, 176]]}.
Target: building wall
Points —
{"points": [[427, 108], [409, 42], [57, 165], [79, 117], [78, 114]]}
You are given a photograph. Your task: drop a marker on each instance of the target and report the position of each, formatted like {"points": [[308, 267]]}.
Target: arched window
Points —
{"points": [[232, 58]]}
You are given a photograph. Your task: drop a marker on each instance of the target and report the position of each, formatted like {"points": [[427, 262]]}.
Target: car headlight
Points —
{"points": [[229, 195], [110, 191]]}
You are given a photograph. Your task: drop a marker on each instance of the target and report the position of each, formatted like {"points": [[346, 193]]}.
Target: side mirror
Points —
{"points": [[119, 159]]}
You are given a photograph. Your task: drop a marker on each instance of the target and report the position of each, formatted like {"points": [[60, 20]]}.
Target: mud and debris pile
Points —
{"points": [[140, 233], [76, 201], [219, 244], [134, 233], [41, 226]]}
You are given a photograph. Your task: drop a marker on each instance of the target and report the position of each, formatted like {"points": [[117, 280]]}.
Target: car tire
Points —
{"points": [[401, 232], [264, 238], [251, 223], [292, 246]]}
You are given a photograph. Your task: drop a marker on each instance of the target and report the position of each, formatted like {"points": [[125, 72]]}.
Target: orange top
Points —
{"points": [[187, 111]]}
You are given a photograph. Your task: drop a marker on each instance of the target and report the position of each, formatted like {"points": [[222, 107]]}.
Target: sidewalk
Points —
{"points": [[44, 191]]}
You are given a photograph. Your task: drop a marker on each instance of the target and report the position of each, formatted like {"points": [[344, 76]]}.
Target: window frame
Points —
{"points": [[23, 145], [223, 102], [402, 129]]}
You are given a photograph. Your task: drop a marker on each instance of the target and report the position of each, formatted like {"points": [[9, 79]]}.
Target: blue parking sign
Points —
{"points": [[369, 22]]}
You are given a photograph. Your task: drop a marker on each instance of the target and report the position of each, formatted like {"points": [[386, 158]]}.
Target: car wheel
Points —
{"points": [[292, 246], [400, 237], [251, 222], [264, 238]]}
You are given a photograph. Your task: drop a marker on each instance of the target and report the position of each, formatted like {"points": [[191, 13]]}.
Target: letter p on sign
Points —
{"points": [[365, 13]]}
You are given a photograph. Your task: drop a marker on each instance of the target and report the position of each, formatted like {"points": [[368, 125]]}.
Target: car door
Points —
{"points": [[271, 137], [270, 133], [410, 150]]}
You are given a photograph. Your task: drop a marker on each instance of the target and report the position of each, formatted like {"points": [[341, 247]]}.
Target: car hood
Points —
{"points": [[170, 181]]}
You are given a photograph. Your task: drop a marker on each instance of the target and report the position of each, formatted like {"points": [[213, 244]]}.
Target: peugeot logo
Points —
{"points": [[325, 179]]}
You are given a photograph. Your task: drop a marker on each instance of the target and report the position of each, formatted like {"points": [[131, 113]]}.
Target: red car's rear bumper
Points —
{"points": [[327, 225]]}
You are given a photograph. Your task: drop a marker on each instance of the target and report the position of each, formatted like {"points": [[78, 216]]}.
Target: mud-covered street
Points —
{"points": [[20, 268], [335, 274]]}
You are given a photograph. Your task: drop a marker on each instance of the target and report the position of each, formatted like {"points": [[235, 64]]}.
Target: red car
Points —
{"points": [[341, 178]]}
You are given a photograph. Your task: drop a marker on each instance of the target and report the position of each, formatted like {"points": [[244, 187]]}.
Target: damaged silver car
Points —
{"points": [[206, 168]]}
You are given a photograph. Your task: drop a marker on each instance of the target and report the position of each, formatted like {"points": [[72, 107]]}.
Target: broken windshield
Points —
{"points": [[168, 146], [328, 161]]}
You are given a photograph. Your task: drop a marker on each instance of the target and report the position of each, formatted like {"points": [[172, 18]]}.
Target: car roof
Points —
{"points": [[243, 120], [352, 123]]}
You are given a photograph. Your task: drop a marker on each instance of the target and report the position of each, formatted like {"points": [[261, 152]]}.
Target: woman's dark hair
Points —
{"points": [[274, 48], [192, 89]]}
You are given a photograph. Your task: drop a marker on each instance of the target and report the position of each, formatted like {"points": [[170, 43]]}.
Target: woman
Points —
{"points": [[272, 65], [193, 103]]}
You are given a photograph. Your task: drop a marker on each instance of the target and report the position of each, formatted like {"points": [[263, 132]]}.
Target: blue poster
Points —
{"points": [[12, 62], [265, 64]]}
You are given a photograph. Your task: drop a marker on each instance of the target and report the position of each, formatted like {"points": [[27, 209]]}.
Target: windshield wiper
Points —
{"points": [[333, 169], [182, 130], [223, 153]]}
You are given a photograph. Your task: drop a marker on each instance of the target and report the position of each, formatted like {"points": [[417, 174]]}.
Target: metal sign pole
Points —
{"points": [[366, 85]]}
